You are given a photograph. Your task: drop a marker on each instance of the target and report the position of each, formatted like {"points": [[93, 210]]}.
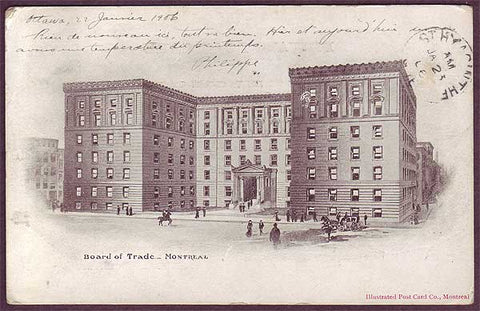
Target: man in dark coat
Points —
{"points": [[365, 219], [288, 215], [197, 212], [261, 225], [118, 209], [315, 216], [275, 235], [131, 211], [204, 210]]}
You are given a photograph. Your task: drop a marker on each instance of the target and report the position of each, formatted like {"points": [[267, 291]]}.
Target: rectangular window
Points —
{"points": [[97, 103], [273, 144], [156, 140], [126, 191], [377, 152], [109, 156], [156, 173], [355, 173], [156, 158], [377, 195], [170, 191], [191, 161], [170, 158], [170, 173], [377, 173], [332, 133], [94, 172], [81, 104], [182, 191], [355, 153], [126, 156], [156, 192], [312, 110], [94, 139], [191, 144], [79, 173], [355, 211], [228, 160], [244, 114], [332, 153], [110, 173], [354, 195], [311, 172], [275, 112], [228, 175], [94, 157], [79, 157], [377, 106], [311, 153], [243, 159], [93, 205], [287, 159], [206, 191], [206, 115], [356, 108], [81, 120], [228, 191], [129, 118], [206, 128], [310, 194], [126, 173], [259, 127], [356, 90], [377, 131], [288, 174], [273, 160], [78, 205], [244, 128], [108, 205], [79, 191], [377, 212], [206, 145], [332, 173], [334, 110], [259, 113], [229, 128], [182, 159], [258, 145], [182, 143], [311, 133], [377, 88], [97, 119], [243, 144], [206, 160], [113, 118], [332, 194], [79, 139], [206, 203], [192, 190], [126, 138], [258, 159], [355, 131], [287, 144], [170, 142], [228, 145], [190, 175], [333, 91], [206, 175], [109, 191]]}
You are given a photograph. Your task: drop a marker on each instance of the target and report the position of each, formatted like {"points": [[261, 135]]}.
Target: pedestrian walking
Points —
{"points": [[261, 225], [294, 216], [131, 211], [204, 210], [118, 209], [315, 216], [275, 235], [288, 215], [126, 211], [197, 212], [365, 219], [338, 217], [302, 217], [249, 228]]}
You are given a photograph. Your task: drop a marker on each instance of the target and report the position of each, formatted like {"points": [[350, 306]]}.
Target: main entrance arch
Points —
{"points": [[252, 182]]}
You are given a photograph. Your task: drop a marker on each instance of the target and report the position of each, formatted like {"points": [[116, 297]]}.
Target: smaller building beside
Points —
{"points": [[428, 176]]}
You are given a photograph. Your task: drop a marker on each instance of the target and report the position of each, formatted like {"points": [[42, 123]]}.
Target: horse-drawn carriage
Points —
{"points": [[350, 223]]}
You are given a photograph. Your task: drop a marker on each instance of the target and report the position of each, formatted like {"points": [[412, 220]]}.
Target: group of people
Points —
{"points": [[128, 210], [274, 233], [197, 212], [241, 206], [293, 216]]}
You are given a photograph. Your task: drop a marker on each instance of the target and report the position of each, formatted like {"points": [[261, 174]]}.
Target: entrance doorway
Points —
{"points": [[249, 188]]}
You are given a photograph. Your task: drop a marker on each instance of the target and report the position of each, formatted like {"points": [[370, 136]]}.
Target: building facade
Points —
{"points": [[45, 169], [428, 173], [129, 144], [345, 137], [353, 140]]}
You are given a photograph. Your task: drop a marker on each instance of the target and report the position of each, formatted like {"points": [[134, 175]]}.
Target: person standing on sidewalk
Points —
{"points": [[204, 210], [365, 219], [261, 225], [249, 228], [288, 215], [118, 209], [131, 211], [275, 235], [197, 212]]}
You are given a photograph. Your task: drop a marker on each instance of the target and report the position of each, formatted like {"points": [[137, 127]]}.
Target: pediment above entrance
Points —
{"points": [[249, 167]]}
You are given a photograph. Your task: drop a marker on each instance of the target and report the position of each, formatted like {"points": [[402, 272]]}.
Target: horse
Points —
{"points": [[161, 219]]}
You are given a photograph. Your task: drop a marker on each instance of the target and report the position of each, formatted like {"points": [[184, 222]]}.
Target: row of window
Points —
{"points": [[354, 195], [259, 127], [243, 160], [126, 191], [109, 156], [355, 173], [109, 138], [354, 211], [97, 103], [377, 153], [377, 132], [171, 142], [109, 173], [112, 119], [170, 159], [257, 144], [156, 205], [275, 113]]}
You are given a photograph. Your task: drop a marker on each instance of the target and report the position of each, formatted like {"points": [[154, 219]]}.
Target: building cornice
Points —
{"points": [[245, 98]]}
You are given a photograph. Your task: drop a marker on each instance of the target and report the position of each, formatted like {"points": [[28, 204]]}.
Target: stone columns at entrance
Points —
{"points": [[241, 189]]}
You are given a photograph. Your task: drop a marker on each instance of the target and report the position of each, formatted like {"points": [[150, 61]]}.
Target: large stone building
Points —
{"points": [[353, 140], [345, 137], [45, 169]]}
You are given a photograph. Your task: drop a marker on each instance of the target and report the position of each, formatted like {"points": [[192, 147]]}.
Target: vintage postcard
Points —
{"points": [[240, 155]]}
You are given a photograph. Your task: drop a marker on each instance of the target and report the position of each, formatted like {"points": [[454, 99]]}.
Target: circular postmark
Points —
{"points": [[439, 62]]}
